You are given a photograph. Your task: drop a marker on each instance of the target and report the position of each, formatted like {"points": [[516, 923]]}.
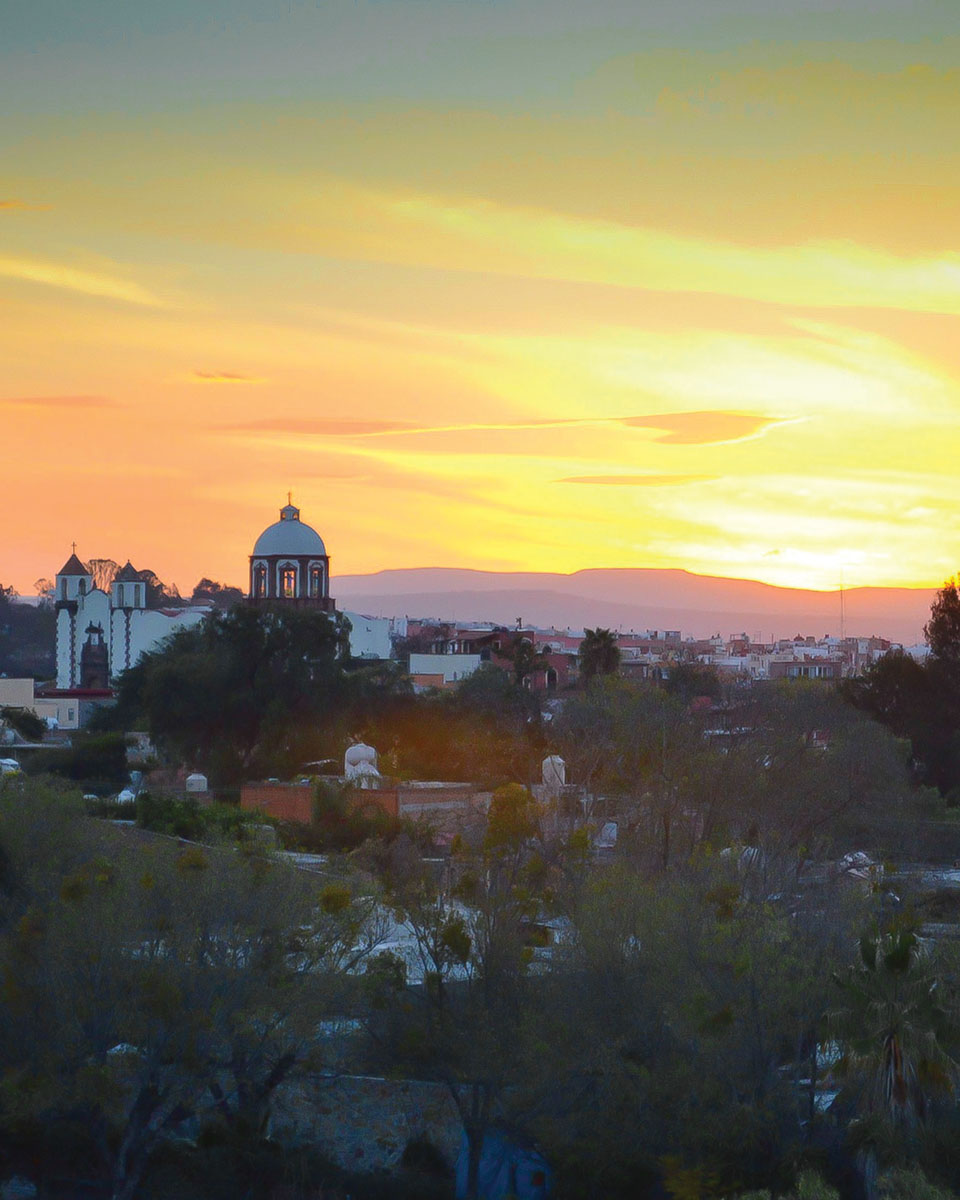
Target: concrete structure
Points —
{"points": [[99, 634]]}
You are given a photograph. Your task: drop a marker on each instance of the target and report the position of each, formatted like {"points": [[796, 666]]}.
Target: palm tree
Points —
{"points": [[898, 1028], [599, 653]]}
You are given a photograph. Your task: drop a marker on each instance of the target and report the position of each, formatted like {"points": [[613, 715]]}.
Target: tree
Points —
{"points": [[942, 631], [103, 571], [157, 593], [599, 653], [25, 722], [898, 1026], [145, 986], [46, 591], [679, 1018], [220, 595], [462, 1021], [244, 693], [27, 637], [523, 657]]}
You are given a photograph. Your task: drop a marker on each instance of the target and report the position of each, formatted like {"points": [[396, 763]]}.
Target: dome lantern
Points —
{"points": [[289, 563]]}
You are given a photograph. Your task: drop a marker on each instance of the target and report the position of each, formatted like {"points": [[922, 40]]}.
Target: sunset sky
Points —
{"points": [[533, 285]]}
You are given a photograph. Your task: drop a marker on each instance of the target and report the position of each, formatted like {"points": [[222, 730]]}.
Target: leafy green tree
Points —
{"points": [[599, 653], [25, 722], [680, 1018], [244, 693], [97, 760], [942, 631], [147, 986], [689, 680], [27, 637], [915, 701], [463, 1021], [220, 595]]}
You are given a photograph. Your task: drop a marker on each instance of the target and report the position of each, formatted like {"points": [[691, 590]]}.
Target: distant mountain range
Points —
{"points": [[636, 598]]}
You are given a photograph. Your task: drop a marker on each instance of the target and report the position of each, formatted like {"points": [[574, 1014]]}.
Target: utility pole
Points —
{"points": [[841, 606]]}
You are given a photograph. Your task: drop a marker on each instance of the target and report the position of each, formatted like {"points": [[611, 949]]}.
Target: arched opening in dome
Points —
{"points": [[288, 581]]}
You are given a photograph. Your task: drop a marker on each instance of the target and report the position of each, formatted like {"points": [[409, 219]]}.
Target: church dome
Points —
{"points": [[289, 536]]}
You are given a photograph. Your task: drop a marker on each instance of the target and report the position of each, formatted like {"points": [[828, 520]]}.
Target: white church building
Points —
{"points": [[100, 634]]}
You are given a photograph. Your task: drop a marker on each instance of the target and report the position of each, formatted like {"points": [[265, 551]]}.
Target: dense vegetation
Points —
{"points": [[921, 701], [716, 1001], [659, 1032], [27, 636]]}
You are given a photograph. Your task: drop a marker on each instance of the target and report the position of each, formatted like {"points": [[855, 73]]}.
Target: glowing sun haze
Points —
{"points": [[533, 285]]}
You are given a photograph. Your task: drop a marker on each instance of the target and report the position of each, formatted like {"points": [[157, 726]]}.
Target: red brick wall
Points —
{"points": [[294, 801], [285, 801]]}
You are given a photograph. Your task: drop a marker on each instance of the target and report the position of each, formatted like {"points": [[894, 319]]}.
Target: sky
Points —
{"points": [[532, 285]]}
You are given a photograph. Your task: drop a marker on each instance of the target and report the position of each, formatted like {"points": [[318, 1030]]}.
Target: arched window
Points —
{"points": [[316, 581], [260, 581], [288, 582]]}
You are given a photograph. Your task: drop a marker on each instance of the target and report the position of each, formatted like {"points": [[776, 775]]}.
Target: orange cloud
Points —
{"points": [[59, 402], [225, 377], [682, 428], [327, 427], [14, 205], [637, 480], [702, 428]]}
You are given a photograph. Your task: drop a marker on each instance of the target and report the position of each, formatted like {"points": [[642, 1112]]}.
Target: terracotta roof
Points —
{"points": [[73, 566], [127, 574]]}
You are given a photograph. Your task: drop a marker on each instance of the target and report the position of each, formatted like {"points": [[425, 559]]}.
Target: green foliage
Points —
{"points": [[26, 723], [599, 654], [97, 760], [513, 818], [899, 1025], [688, 681], [241, 695], [142, 986], [184, 818], [27, 637]]}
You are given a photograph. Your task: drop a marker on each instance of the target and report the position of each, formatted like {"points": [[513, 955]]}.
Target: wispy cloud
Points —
{"points": [[225, 377], [703, 428], [637, 480], [325, 427], [73, 279], [58, 402], [16, 205], [681, 428]]}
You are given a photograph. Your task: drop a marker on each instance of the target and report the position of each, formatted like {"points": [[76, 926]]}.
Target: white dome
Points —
{"points": [[289, 536]]}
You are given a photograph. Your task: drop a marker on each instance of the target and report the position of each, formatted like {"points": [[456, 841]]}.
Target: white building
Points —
{"points": [[100, 634]]}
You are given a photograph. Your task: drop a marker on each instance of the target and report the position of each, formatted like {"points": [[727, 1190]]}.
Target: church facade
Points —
{"points": [[100, 634]]}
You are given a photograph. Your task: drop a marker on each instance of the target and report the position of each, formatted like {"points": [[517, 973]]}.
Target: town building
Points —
{"points": [[102, 633]]}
